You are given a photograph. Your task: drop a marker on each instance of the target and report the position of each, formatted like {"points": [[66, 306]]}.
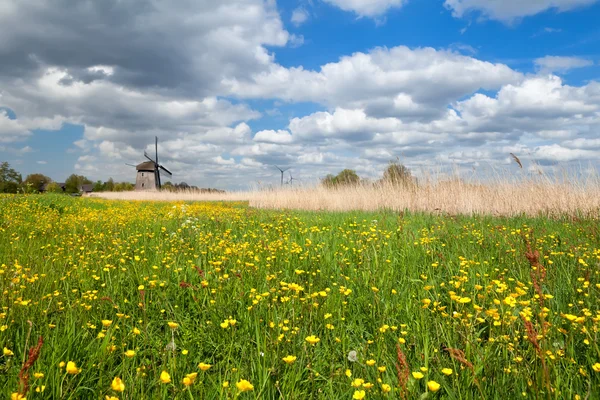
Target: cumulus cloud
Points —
{"points": [[299, 16], [509, 10], [399, 82], [270, 136], [367, 8], [561, 64]]}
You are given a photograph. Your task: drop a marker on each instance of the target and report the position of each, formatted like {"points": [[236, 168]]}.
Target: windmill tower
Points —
{"points": [[282, 171], [148, 172]]}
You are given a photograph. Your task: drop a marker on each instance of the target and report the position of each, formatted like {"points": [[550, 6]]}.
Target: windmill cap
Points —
{"points": [[145, 166]]}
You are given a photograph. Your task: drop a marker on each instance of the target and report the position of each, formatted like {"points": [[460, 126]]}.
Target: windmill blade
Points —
{"points": [[166, 170], [146, 155], [278, 168], [131, 165], [156, 147]]}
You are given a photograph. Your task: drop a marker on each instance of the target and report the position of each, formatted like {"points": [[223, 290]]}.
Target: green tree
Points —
{"points": [[74, 182], [98, 186], [10, 180], [109, 185], [34, 182], [347, 177], [53, 188], [397, 174]]}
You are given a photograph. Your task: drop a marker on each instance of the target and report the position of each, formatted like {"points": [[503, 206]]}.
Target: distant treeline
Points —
{"points": [[395, 174]]}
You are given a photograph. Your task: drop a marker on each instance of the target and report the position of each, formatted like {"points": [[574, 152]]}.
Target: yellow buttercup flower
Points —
{"points": [[596, 367], [129, 353], [370, 363], [38, 375], [447, 371], [173, 325], [289, 359], [357, 382], [117, 385], [204, 367], [189, 379], [418, 375], [72, 368], [165, 377], [106, 323], [359, 394], [433, 386], [7, 352], [385, 388], [312, 339], [244, 386]]}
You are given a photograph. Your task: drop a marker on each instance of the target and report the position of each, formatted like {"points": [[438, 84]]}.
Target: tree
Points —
{"points": [[109, 185], [34, 182], [98, 186], [347, 177], [74, 182], [397, 174], [328, 181], [10, 180], [53, 188]]}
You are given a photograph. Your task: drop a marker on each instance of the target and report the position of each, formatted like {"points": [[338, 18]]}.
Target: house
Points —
{"points": [[86, 188]]}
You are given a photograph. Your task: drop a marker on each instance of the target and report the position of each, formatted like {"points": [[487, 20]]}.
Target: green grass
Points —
{"points": [[68, 264]]}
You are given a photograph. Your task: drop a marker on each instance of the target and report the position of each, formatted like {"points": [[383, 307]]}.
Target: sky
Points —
{"points": [[233, 87]]}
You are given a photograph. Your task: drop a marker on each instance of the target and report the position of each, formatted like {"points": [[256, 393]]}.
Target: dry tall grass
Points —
{"points": [[531, 197]]}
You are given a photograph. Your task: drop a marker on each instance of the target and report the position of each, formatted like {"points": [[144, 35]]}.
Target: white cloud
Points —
{"points": [[509, 10], [42, 162], [350, 125], [557, 153], [561, 64], [299, 16], [270, 136], [398, 82], [367, 8]]}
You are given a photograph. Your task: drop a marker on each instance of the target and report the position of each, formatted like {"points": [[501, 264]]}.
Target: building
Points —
{"points": [[146, 176]]}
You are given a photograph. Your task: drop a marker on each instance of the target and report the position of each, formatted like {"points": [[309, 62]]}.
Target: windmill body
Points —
{"points": [[145, 178]]}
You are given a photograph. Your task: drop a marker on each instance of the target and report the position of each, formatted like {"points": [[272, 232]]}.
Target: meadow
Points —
{"points": [[106, 299]]}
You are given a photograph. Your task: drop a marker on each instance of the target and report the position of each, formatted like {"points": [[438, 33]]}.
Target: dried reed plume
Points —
{"points": [[517, 160]]}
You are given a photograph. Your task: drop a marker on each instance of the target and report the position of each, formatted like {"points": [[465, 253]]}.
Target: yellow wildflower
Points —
{"points": [[433, 386], [244, 386], [289, 359], [117, 385], [165, 377], [312, 339]]}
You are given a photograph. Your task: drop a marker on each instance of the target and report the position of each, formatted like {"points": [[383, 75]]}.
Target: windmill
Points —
{"points": [[148, 172], [282, 171], [292, 179]]}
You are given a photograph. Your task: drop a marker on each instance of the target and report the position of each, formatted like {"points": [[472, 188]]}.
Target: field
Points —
{"points": [[207, 300]]}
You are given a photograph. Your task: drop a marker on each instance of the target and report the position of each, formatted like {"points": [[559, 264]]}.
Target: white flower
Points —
{"points": [[352, 356]]}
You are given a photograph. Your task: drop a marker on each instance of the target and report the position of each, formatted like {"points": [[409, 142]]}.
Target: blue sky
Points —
{"points": [[233, 87]]}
